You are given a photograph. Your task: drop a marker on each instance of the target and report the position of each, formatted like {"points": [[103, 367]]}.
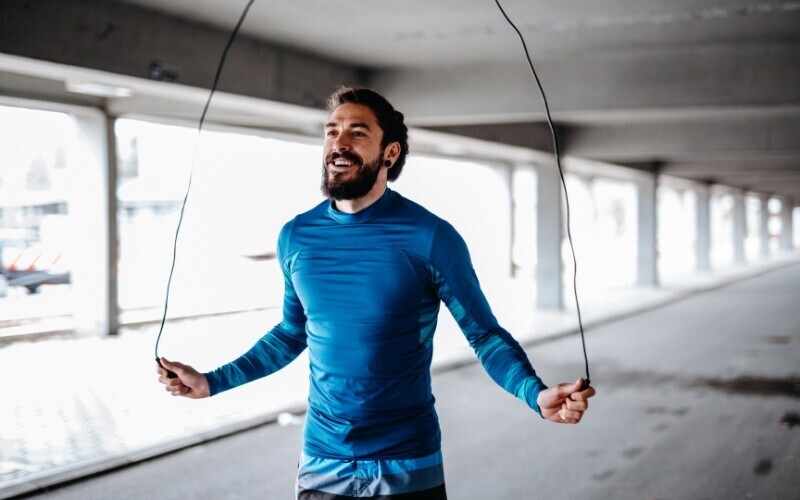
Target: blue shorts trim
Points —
{"points": [[370, 478]]}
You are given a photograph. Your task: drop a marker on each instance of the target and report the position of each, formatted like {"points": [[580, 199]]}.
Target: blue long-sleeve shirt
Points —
{"points": [[362, 292]]}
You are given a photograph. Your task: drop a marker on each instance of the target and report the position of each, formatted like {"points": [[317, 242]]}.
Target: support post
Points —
{"points": [[739, 227], [508, 177], [549, 235], [763, 226], [787, 227], [703, 225], [92, 205], [647, 263]]}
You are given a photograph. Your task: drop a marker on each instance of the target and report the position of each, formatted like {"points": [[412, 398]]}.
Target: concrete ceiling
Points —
{"points": [[420, 33], [703, 89]]}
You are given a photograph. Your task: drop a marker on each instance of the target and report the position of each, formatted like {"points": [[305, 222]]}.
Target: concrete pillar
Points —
{"points": [[739, 227], [92, 205], [763, 225], [508, 176], [787, 226], [112, 235], [647, 263], [796, 227], [703, 225], [549, 234]]}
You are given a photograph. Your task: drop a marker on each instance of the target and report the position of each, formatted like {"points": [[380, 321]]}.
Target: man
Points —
{"points": [[364, 275]]}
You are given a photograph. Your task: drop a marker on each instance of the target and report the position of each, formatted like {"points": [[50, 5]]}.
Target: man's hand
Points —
{"points": [[565, 403], [189, 383]]}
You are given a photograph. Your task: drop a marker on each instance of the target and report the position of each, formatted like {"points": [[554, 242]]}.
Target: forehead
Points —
{"points": [[349, 113]]}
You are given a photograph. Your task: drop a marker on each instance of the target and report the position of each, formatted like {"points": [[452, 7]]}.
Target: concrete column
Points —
{"points": [[787, 227], [647, 263], [703, 224], [112, 236], [508, 177], [763, 226], [549, 233], [92, 206], [739, 227], [796, 220]]}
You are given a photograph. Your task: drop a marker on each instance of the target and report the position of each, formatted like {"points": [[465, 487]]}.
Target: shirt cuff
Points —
{"points": [[529, 391], [213, 382]]}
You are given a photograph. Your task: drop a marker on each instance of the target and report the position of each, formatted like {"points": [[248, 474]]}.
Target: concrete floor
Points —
{"points": [[698, 399]]}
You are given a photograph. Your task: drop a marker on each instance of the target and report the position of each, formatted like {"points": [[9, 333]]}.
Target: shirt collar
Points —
{"points": [[365, 214]]}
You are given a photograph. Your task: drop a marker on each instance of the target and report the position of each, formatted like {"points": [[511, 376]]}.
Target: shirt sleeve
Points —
{"points": [[457, 285], [276, 349]]}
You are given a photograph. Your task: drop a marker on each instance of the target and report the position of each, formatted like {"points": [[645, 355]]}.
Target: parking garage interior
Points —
{"points": [[679, 135]]}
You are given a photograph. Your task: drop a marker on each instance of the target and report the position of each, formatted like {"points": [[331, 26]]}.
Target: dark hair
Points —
{"points": [[389, 119]]}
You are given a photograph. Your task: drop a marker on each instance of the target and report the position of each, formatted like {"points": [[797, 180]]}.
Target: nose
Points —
{"points": [[341, 144]]}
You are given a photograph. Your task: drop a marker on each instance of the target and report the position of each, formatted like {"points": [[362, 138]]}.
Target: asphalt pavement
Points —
{"points": [[696, 399]]}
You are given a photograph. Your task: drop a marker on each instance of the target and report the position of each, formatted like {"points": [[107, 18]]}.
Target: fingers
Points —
{"points": [[569, 416], [565, 403], [583, 395], [186, 381], [174, 386], [575, 405], [173, 383]]}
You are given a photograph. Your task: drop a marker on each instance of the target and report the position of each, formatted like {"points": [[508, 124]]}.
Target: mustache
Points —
{"points": [[346, 155]]}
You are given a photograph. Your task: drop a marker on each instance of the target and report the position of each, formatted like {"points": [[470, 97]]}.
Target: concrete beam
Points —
{"points": [[761, 154], [755, 176], [774, 136], [685, 80], [777, 176], [527, 135], [126, 39], [732, 166]]}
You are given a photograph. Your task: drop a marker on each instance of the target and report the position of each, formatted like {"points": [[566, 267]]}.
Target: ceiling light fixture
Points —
{"points": [[98, 89]]}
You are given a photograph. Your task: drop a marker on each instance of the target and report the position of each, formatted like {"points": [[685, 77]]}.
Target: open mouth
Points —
{"points": [[343, 162]]}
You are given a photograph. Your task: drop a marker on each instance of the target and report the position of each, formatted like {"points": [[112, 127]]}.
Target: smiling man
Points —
{"points": [[365, 273]]}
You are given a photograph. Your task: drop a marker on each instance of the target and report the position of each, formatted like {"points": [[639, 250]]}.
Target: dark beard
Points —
{"points": [[352, 189]]}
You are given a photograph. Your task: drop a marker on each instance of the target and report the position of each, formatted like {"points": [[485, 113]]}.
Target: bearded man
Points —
{"points": [[365, 273]]}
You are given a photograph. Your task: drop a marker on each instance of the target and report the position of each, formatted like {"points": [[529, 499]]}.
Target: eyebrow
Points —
{"points": [[352, 125]]}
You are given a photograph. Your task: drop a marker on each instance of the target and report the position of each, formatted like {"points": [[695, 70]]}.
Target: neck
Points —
{"points": [[353, 206]]}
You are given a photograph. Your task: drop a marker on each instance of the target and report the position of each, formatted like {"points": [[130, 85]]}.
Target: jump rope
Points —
{"points": [[214, 85], [556, 151]]}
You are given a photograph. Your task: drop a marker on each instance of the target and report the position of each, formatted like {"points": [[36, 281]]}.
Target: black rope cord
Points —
{"points": [[220, 66], [587, 381], [191, 172]]}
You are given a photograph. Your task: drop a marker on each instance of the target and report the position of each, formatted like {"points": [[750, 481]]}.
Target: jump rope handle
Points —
{"points": [[586, 384], [170, 374]]}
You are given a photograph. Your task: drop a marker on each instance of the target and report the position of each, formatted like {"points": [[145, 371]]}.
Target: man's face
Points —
{"points": [[352, 154]]}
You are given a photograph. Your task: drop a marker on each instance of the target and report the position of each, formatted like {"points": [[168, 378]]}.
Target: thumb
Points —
{"points": [[171, 366], [567, 389]]}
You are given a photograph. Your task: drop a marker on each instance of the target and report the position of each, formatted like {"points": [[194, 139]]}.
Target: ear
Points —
{"points": [[392, 152]]}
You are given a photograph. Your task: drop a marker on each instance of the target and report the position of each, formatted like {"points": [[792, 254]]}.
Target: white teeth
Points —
{"points": [[340, 163]]}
